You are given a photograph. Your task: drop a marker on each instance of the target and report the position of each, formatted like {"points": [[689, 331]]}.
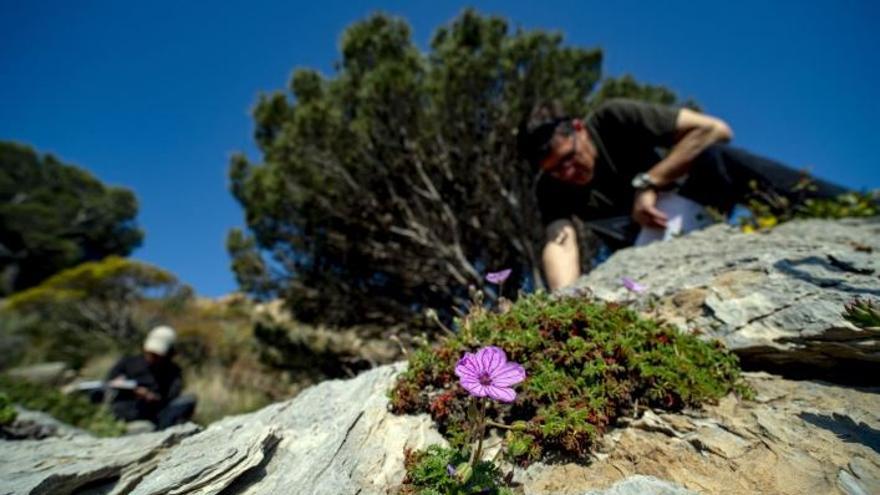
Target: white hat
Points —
{"points": [[160, 340]]}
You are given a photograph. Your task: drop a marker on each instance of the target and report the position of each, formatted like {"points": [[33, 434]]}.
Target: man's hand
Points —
{"points": [[117, 382], [645, 211], [145, 394]]}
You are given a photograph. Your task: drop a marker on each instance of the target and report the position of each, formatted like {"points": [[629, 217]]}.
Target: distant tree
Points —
{"points": [[54, 216], [627, 87], [94, 306], [392, 187]]}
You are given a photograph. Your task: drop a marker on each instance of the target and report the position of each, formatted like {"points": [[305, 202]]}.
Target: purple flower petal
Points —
{"points": [[488, 373], [632, 285], [479, 391], [508, 374], [474, 387], [501, 393], [490, 359], [450, 470], [499, 276], [468, 366]]}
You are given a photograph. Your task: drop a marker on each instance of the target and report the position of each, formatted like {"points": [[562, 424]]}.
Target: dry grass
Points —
{"points": [[97, 367], [217, 397]]}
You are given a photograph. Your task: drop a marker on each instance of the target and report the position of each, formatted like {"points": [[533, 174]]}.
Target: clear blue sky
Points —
{"points": [[155, 96]]}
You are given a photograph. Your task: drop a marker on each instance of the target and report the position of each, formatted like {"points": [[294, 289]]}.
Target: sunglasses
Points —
{"points": [[563, 129]]}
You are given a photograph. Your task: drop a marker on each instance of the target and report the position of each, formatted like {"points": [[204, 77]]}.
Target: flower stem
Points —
{"points": [[477, 453], [498, 425]]}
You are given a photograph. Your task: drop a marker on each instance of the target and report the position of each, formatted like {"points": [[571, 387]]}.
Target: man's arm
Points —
{"points": [[696, 132], [561, 257], [118, 370]]}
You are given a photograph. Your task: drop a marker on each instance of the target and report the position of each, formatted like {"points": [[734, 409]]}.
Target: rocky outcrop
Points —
{"points": [[641, 485], [37, 425], [774, 297], [335, 438], [339, 438], [65, 465], [796, 437]]}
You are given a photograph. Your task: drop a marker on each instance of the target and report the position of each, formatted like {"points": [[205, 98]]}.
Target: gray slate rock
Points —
{"points": [[642, 485], [63, 465], [775, 297], [335, 438], [36, 425], [339, 438], [53, 373]]}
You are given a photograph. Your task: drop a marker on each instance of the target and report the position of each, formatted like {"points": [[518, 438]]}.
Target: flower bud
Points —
{"points": [[519, 426], [472, 413]]}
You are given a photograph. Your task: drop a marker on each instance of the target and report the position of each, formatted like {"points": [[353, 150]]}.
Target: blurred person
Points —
{"points": [[148, 386], [611, 168]]}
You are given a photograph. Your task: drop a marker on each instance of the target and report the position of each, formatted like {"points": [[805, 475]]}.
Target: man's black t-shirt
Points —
{"points": [[628, 136]]}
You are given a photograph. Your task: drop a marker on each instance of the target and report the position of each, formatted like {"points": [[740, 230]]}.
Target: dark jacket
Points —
{"points": [[163, 379]]}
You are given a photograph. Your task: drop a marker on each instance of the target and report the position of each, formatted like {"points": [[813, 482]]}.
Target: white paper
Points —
{"points": [[88, 385], [123, 384], [683, 216]]}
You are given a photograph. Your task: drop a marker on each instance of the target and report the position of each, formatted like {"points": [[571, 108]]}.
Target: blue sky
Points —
{"points": [[155, 96]]}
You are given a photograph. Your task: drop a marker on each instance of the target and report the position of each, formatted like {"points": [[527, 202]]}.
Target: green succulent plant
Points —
{"points": [[588, 364], [863, 313]]}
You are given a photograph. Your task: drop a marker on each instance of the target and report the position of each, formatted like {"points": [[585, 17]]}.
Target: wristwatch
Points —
{"points": [[644, 181]]}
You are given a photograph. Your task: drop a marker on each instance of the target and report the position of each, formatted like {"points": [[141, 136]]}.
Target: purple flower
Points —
{"points": [[450, 469], [633, 286], [498, 277], [487, 373]]}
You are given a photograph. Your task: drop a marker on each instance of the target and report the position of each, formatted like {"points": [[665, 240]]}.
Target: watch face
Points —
{"points": [[641, 181]]}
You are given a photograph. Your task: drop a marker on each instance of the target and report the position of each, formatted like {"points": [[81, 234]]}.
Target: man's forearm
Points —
{"points": [[680, 158]]}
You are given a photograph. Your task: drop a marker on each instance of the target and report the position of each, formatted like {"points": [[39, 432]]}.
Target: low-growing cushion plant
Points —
{"points": [[431, 472], [588, 363], [863, 313]]}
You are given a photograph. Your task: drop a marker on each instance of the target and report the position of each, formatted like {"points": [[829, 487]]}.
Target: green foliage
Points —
{"points": [[7, 412], [863, 313], [769, 209], [90, 308], [587, 364], [14, 338], [74, 410], [627, 87], [247, 264], [388, 188], [54, 216], [427, 474]]}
